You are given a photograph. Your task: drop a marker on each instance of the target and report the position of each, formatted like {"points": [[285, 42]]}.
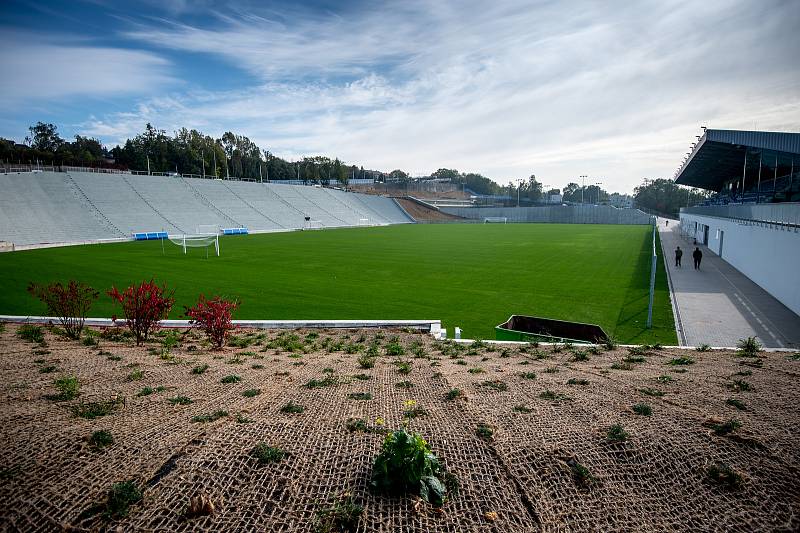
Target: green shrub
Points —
{"points": [[292, 408], [407, 464], [360, 396], [200, 369], [231, 378], [522, 409], [484, 432], [101, 439], [683, 360], [528, 375], [651, 392], [642, 409], [723, 475], [749, 347], [343, 515], [136, 375], [404, 385], [403, 367], [580, 473], [736, 403], [724, 428], [249, 393], [120, 498], [31, 333], [617, 433], [68, 388], [147, 391], [216, 415], [577, 381], [92, 410], [327, 381], [266, 454], [366, 361], [452, 394], [180, 400], [495, 384], [703, 348]]}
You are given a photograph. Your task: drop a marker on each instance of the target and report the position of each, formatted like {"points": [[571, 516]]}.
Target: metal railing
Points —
{"points": [[786, 215]]}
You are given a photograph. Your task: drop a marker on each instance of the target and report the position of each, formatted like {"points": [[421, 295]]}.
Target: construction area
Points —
{"points": [[535, 438]]}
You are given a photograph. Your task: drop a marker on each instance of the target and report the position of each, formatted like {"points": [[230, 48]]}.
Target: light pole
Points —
{"points": [[519, 186], [583, 185], [598, 190]]}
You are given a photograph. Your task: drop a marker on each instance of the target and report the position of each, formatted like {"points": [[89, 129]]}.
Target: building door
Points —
{"points": [[705, 235], [721, 240]]}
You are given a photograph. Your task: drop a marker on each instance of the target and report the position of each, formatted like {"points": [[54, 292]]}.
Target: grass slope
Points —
{"points": [[473, 276]]}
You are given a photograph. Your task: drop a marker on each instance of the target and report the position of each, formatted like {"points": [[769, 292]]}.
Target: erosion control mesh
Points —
{"points": [[526, 435]]}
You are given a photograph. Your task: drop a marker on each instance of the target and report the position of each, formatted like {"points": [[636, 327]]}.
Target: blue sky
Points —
{"points": [[616, 90]]}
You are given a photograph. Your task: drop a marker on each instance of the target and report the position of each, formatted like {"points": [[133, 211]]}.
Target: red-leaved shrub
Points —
{"points": [[70, 303], [213, 317], [143, 306]]}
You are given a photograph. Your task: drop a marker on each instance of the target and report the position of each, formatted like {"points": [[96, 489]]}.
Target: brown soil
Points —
{"points": [[655, 481], [421, 213]]}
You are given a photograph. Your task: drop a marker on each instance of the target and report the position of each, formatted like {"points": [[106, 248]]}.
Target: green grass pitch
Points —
{"points": [[469, 275]]}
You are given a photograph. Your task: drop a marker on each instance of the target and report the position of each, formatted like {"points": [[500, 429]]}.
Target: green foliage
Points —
{"points": [[200, 369], [642, 409], [92, 410], [681, 361], [250, 393], [407, 464], [647, 391], [395, 348], [231, 378], [664, 379], [622, 365], [528, 375], [292, 408], [404, 385], [48, 369], [403, 367], [147, 391], [494, 384], [365, 361], [101, 439], [724, 428], [579, 356], [120, 498], [266, 454], [610, 343], [736, 403], [484, 432], [453, 394], [749, 347], [216, 415], [476, 370], [30, 333], [617, 433], [580, 473], [703, 348], [740, 385], [665, 196], [68, 389], [342, 515], [360, 396], [136, 375], [327, 381], [723, 475], [577, 381], [522, 409], [553, 396], [180, 400]]}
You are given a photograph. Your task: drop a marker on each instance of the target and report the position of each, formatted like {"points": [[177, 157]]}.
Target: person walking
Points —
{"points": [[698, 256], [678, 255]]}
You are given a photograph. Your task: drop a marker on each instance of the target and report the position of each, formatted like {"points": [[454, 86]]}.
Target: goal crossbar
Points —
{"points": [[499, 220], [201, 240]]}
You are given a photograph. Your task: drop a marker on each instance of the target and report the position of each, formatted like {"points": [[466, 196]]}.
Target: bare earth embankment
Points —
{"points": [[544, 458]]}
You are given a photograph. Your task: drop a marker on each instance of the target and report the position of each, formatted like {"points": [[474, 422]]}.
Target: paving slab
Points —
{"points": [[717, 304]]}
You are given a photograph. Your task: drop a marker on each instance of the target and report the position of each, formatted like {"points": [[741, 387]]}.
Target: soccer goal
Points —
{"points": [[495, 220], [205, 240], [363, 222], [313, 224]]}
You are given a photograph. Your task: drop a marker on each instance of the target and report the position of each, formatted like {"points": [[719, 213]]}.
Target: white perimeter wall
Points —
{"points": [[769, 256]]}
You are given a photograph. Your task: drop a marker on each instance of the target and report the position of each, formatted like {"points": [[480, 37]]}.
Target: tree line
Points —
{"points": [[664, 196]]}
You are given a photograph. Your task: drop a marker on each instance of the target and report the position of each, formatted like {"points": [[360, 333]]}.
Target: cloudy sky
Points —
{"points": [[615, 90]]}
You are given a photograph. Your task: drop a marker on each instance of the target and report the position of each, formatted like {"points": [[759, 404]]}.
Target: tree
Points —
{"points": [[665, 196], [44, 137]]}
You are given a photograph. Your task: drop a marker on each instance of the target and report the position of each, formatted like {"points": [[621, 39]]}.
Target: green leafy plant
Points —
{"points": [[703, 348], [522, 409], [360, 396], [292, 408], [31, 333], [647, 391], [724, 428], [642, 409], [580, 473], [249, 393], [366, 361], [494, 384], [617, 433], [622, 365], [68, 389], [736, 403], [749, 347], [407, 464], [147, 391], [610, 343], [404, 385], [395, 348], [485, 432], [231, 378], [200, 369], [528, 375], [681, 361], [340, 516], [577, 381], [120, 498], [101, 439], [180, 400], [92, 410], [216, 415], [740, 385], [453, 394], [136, 375], [553, 396], [723, 475], [266, 454], [327, 381], [403, 367]]}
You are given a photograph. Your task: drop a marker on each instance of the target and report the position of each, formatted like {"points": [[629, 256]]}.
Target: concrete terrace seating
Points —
{"points": [[54, 207]]}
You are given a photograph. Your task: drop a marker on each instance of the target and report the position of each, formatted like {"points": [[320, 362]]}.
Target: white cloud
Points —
{"points": [[37, 68], [559, 90]]}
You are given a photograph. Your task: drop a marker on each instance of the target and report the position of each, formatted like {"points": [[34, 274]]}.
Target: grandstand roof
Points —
{"points": [[719, 154]]}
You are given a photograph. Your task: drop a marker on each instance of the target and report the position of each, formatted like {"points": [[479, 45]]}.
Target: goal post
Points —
{"points": [[495, 220], [205, 240]]}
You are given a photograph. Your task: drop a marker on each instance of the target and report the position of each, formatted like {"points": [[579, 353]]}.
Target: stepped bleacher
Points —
{"points": [[67, 207]]}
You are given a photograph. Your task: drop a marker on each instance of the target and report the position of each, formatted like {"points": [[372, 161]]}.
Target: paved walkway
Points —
{"points": [[718, 305]]}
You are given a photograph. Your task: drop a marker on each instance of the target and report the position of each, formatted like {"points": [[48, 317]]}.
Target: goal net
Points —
{"points": [[196, 241], [363, 222], [495, 220], [313, 224]]}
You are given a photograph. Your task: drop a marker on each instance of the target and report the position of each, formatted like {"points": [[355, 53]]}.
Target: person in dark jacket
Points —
{"points": [[678, 255], [698, 256]]}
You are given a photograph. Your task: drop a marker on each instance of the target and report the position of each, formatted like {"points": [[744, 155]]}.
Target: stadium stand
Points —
{"points": [[71, 207]]}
